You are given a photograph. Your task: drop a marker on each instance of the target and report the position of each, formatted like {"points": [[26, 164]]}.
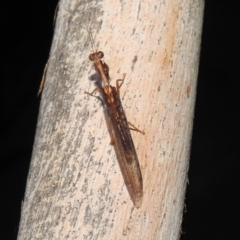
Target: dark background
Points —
{"points": [[211, 199]]}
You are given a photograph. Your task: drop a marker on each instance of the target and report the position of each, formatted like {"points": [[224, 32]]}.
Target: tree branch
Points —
{"points": [[75, 189]]}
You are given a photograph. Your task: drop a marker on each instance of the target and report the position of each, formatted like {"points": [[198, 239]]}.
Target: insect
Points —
{"points": [[119, 129], [43, 79]]}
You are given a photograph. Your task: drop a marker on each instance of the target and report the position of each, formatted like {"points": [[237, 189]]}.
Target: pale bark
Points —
{"points": [[75, 189]]}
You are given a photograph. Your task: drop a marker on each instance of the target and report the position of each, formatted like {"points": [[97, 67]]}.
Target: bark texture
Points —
{"points": [[75, 189]]}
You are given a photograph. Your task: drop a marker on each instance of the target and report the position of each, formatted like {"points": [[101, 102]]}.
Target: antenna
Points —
{"points": [[92, 40]]}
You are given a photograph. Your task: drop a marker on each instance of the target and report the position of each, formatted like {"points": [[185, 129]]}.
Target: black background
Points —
{"points": [[211, 199]]}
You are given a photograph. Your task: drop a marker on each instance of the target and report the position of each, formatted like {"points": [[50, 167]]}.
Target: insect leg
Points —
{"points": [[135, 128], [119, 85], [94, 90]]}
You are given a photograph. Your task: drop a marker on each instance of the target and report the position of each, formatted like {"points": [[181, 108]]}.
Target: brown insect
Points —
{"points": [[43, 79], [119, 129]]}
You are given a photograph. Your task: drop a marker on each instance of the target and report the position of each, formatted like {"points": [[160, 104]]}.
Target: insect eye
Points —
{"points": [[100, 54], [91, 57]]}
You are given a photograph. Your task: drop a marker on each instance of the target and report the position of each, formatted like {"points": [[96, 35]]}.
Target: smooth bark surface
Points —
{"points": [[75, 189]]}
